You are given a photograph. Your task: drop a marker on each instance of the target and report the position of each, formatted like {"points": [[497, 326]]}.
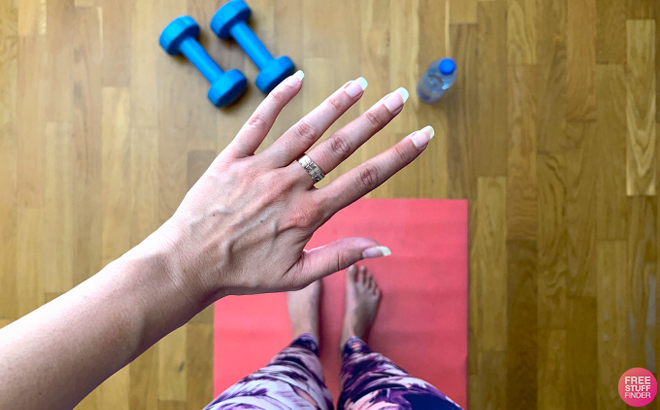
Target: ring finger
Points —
{"points": [[342, 143]]}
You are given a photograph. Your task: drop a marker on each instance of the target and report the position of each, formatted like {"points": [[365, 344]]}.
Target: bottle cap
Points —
{"points": [[447, 66]]}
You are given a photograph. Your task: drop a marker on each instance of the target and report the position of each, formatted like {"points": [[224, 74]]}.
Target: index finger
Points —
{"points": [[366, 177]]}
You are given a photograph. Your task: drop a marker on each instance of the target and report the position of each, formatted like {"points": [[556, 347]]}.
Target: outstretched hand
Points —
{"points": [[242, 228]]}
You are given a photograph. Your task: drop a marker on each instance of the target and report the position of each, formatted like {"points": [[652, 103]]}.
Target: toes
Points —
{"points": [[351, 273]]}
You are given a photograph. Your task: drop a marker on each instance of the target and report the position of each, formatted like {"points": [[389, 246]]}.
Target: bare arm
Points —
{"points": [[241, 229], [54, 356]]}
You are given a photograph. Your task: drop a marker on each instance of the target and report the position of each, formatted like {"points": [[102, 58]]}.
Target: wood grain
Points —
{"points": [[522, 258], [612, 308], [581, 354], [580, 205], [581, 59], [489, 264], [641, 282], [552, 241], [491, 145], [640, 112], [611, 130], [521, 31], [521, 202], [610, 32]]}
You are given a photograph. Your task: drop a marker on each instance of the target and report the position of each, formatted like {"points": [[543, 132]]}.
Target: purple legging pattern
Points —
{"points": [[294, 380]]}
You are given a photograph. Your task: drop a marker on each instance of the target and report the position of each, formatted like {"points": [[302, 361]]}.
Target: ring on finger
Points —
{"points": [[312, 169]]}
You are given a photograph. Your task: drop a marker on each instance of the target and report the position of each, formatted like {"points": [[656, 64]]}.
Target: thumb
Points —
{"points": [[333, 257]]}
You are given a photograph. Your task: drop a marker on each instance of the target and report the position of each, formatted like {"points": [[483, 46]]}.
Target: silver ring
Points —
{"points": [[312, 169]]}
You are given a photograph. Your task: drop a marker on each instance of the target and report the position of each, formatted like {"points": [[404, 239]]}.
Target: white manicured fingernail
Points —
{"points": [[356, 87], [423, 136], [396, 99], [404, 93], [296, 78], [376, 252]]}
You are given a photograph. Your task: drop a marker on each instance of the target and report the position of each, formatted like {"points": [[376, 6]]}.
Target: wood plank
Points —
{"points": [[9, 22], [173, 366], [463, 11], [29, 265], [58, 93], [552, 240], [431, 168], [521, 201], [488, 264], [144, 54], [551, 94], [641, 283], [581, 59], [581, 218], [200, 365], [144, 183], [552, 369], [611, 131], [641, 9], [491, 145], [522, 265], [289, 27], [30, 122], [113, 393], [8, 161], [521, 31], [641, 159], [175, 93], [404, 61], [58, 212], [87, 137], [31, 17], [462, 119], [581, 354], [610, 32], [117, 41], [491, 388], [116, 172], [143, 393], [612, 321]]}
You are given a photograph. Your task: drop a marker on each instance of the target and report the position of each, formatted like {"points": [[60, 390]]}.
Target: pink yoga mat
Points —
{"points": [[422, 323]]}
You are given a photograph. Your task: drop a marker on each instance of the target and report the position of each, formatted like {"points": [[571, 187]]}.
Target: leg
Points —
{"points": [[370, 379], [293, 379]]}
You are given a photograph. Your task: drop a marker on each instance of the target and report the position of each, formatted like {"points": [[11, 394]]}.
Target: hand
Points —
{"points": [[243, 226]]}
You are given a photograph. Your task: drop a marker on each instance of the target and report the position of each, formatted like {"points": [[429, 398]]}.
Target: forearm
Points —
{"points": [[56, 355]]}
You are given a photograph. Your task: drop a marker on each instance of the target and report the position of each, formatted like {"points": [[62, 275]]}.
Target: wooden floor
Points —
{"points": [[550, 131]]}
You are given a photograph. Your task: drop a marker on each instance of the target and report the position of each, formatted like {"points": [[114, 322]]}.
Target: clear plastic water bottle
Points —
{"points": [[436, 80]]}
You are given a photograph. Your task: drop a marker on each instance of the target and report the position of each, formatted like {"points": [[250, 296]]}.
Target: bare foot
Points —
{"points": [[304, 310], [362, 301]]}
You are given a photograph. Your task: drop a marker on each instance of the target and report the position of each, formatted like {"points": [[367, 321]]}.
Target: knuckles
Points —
{"points": [[367, 177], [305, 132], [339, 145]]}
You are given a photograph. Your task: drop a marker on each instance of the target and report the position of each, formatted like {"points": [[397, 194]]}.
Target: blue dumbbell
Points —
{"points": [[180, 36], [230, 21]]}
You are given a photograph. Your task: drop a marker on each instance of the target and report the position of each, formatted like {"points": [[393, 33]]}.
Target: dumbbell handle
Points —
{"points": [[201, 59], [251, 44]]}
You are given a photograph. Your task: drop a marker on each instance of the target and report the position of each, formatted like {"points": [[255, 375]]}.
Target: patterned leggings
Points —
{"points": [[294, 380]]}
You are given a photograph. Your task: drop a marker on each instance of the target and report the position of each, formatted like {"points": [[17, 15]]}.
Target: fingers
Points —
{"points": [[364, 178], [309, 129], [256, 128], [331, 152], [333, 257]]}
